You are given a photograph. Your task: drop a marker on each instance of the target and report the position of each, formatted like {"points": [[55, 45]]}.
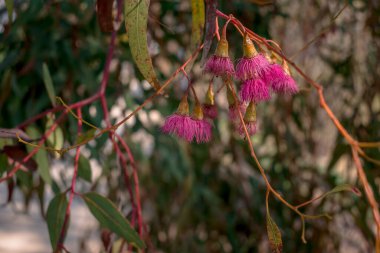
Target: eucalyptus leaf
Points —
{"points": [[198, 22], [55, 217], [41, 156], [56, 138], [136, 21], [84, 168], [109, 217], [48, 83]]}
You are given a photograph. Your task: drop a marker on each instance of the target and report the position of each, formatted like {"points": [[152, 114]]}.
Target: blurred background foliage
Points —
{"points": [[209, 197]]}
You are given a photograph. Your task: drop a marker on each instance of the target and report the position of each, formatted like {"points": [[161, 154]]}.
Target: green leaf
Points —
{"points": [[136, 21], [108, 216], [56, 138], [9, 5], [48, 83], [274, 234], [55, 217], [198, 22], [84, 168], [41, 156]]}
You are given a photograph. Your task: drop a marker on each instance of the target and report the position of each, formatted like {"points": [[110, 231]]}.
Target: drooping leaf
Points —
{"points": [[104, 14], [56, 138], [17, 153], [109, 217], [198, 22], [274, 234], [136, 21], [210, 27], [55, 217], [9, 5], [48, 83], [84, 168], [41, 156]]}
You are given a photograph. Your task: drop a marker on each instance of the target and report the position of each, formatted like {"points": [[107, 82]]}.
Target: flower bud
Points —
{"points": [[209, 100], [183, 107], [222, 48], [249, 50], [250, 113], [198, 112]]}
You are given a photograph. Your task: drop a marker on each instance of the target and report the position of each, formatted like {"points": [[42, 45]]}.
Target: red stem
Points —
{"points": [[72, 187], [136, 181]]}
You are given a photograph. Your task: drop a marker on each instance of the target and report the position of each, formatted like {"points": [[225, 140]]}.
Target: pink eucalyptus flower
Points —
{"points": [[210, 111], [251, 128], [285, 85], [180, 125], [219, 66], [254, 90], [280, 81], [202, 130], [251, 68]]}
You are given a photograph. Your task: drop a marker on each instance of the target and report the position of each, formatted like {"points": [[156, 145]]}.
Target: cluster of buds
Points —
{"points": [[259, 75]]}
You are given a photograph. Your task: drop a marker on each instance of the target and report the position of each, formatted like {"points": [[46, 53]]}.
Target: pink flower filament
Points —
{"points": [[219, 66]]}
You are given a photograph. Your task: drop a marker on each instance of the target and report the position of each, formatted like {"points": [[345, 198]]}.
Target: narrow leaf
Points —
{"points": [[55, 217], [104, 14], [56, 138], [41, 156], [48, 83], [9, 5], [136, 21], [210, 27], [198, 22], [84, 168], [109, 217], [274, 234]]}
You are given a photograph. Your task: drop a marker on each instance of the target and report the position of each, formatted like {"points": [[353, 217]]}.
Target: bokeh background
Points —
{"points": [[209, 197]]}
